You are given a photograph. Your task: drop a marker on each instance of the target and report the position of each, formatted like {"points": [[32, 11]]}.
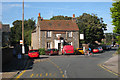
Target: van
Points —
{"points": [[68, 49]]}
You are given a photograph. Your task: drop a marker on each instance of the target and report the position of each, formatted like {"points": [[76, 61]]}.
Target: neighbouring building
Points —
{"points": [[5, 31], [55, 33]]}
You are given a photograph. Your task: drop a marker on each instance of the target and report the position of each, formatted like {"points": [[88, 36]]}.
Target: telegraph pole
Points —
{"points": [[23, 49]]}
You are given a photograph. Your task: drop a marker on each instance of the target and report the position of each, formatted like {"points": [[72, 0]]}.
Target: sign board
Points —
{"points": [[21, 41], [81, 36]]}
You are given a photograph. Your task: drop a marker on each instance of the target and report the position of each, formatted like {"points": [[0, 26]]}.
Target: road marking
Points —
{"points": [[41, 75], [46, 74], [50, 74], [20, 75], [63, 75], [36, 75], [58, 68], [22, 72], [31, 75], [61, 72], [117, 74]]}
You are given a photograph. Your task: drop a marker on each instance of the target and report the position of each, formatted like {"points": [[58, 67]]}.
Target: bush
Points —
{"points": [[41, 51]]}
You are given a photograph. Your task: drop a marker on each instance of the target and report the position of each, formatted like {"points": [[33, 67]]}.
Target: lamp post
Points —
{"points": [[23, 49]]}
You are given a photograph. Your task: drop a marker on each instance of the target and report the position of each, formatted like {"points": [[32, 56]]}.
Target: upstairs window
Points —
{"points": [[69, 34], [48, 33]]}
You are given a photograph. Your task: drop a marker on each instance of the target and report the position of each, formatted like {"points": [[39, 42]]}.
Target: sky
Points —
{"points": [[12, 11]]}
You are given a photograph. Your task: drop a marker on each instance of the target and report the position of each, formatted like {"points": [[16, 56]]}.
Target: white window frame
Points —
{"points": [[69, 34], [70, 43], [49, 45], [48, 33]]}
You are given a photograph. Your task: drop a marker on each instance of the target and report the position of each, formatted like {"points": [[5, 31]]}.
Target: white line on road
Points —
{"points": [[65, 73]]}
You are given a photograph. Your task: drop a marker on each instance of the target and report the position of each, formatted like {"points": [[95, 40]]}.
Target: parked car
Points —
{"points": [[68, 49], [79, 51], [108, 47], [33, 53], [100, 49], [95, 50], [52, 51]]}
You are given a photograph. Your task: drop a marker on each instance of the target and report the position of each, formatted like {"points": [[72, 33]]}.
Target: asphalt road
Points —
{"points": [[68, 66]]}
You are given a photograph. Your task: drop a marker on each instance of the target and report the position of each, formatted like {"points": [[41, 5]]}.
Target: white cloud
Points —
{"points": [[59, 0]]}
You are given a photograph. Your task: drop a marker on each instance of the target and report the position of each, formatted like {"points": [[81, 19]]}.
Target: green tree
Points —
{"points": [[16, 31], [115, 14], [92, 26]]}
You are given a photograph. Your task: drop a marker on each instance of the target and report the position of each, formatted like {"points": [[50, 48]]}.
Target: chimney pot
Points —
{"points": [[73, 15], [39, 15]]}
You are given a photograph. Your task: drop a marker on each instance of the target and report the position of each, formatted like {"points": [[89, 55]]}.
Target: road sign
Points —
{"points": [[21, 41], [81, 36]]}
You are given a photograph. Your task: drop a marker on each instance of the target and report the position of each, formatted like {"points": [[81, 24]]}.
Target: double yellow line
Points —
{"points": [[22, 72], [107, 69], [57, 68]]}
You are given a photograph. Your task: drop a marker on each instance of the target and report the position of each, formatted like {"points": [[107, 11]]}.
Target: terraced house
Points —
{"points": [[55, 33]]}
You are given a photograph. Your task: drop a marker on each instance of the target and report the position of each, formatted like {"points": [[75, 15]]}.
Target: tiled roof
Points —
{"points": [[66, 25]]}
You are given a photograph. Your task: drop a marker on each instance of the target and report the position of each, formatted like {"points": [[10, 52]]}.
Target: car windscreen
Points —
{"points": [[80, 49], [33, 51]]}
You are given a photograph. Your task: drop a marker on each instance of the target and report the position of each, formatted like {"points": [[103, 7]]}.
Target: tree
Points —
{"points": [[61, 18], [16, 31], [115, 14], [92, 26]]}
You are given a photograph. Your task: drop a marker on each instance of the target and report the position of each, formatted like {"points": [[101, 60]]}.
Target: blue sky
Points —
{"points": [[12, 11]]}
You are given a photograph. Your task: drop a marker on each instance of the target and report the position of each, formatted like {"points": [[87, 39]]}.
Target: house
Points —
{"points": [[55, 33], [5, 31]]}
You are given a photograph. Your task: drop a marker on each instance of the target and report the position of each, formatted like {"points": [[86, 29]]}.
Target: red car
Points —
{"points": [[52, 51], [95, 50], [68, 49], [33, 53]]}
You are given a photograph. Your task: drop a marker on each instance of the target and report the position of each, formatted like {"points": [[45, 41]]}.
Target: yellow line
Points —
{"points": [[63, 76], [107, 70], [31, 75], [46, 74], [50, 74], [20, 74], [61, 72], [41, 75], [36, 75]]}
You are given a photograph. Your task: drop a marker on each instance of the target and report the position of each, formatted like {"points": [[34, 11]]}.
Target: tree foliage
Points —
{"points": [[61, 18], [92, 26], [115, 10], [16, 31], [115, 14]]}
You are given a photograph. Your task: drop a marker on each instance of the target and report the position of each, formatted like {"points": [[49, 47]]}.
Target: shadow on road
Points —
{"points": [[17, 64]]}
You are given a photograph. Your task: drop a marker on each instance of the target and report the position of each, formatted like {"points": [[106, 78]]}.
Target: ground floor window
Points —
{"points": [[70, 43], [48, 45]]}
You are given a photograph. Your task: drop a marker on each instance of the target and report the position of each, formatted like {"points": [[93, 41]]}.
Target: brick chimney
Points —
{"points": [[73, 18], [39, 17]]}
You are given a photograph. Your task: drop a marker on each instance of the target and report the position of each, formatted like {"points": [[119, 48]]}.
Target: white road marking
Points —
{"points": [[65, 73]]}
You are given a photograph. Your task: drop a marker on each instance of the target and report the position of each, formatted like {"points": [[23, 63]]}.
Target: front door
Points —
{"points": [[59, 46]]}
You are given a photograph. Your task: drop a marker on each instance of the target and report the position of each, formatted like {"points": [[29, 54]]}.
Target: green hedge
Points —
{"points": [[41, 51]]}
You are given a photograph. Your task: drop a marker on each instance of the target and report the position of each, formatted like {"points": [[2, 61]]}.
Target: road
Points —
{"points": [[68, 66]]}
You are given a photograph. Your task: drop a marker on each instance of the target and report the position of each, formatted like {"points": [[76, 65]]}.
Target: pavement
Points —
{"points": [[112, 64], [11, 69]]}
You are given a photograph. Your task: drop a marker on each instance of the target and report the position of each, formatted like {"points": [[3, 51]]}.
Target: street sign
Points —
{"points": [[21, 41], [81, 36]]}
